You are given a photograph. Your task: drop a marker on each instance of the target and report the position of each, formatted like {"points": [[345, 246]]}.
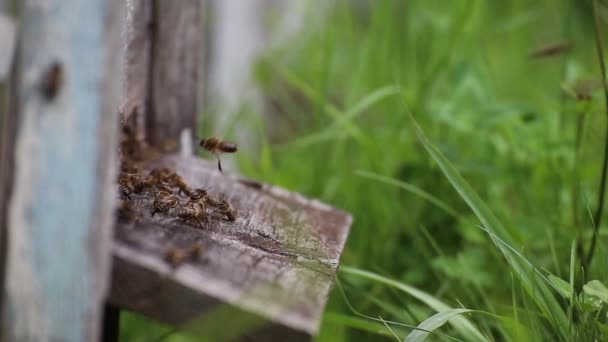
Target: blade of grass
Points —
{"points": [[538, 290], [410, 188], [312, 94], [432, 323], [358, 323], [389, 329], [602, 189], [333, 131], [461, 324], [339, 285]]}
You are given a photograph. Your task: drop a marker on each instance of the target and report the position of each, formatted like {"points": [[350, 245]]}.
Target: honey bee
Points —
{"points": [[160, 173], [175, 256], [163, 202], [125, 187], [198, 194], [126, 213], [193, 211], [196, 251], [128, 166], [222, 207], [217, 146], [177, 181], [141, 182], [551, 49]]}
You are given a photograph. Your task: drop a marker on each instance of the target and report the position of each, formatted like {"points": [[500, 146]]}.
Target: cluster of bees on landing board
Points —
{"points": [[170, 195]]}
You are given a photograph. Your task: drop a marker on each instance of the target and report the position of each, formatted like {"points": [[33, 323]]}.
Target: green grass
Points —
{"points": [[471, 175]]}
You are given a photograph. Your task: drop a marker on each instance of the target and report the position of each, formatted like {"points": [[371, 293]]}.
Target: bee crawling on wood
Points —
{"points": [[163, 203], [217, 146], [178, 182], [160, 173], [198, 194], [193, 211], [126, 212], [196, 251], [125, 187], [177, 256], [222, 207], [141, 183]]}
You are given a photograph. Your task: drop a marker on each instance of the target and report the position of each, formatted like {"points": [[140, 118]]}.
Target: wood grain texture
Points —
{"points": [[175, 63], [60, 205], [8, 33], [278, 260], [136, 82], [7, 139]]}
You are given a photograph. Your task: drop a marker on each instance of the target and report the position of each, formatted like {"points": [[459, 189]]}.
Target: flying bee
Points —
{"points": [[217, 146], [193, 211], [163, 202], [551, 49]]}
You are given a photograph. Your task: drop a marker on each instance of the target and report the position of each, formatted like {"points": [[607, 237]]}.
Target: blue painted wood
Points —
{"points": [[59, 228]]}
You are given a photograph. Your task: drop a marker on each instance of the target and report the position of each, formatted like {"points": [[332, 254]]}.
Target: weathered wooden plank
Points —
{"points": [[175, 63], [7, 134], [137, 63], [7, 44], [59, 212], [278, 259]]}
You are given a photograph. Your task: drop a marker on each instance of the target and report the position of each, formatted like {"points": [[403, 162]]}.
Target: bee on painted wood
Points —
{"points": [[217, 146], [193, 211], [163, 203]]}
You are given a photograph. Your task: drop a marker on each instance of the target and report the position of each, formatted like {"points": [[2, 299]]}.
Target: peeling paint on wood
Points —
{"points": [[278, 259], [60, 205]]}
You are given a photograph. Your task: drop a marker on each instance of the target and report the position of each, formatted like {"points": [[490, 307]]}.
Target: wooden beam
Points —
{"points": [[175, 64], [278, 259], [59, 216], [8, 33], [176, 42], [137, 64]]}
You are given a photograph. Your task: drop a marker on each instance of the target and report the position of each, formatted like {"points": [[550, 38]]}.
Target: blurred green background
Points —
{"points": [[509, 124]]}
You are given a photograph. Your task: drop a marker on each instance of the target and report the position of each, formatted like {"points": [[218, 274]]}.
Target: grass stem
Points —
{"points": [[602, 190]]}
